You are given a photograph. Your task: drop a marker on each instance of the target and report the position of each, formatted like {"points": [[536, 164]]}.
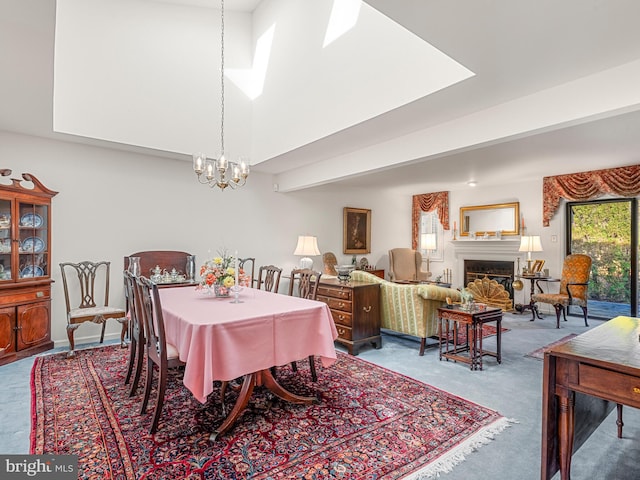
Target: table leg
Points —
{"points": [[565, 433], [262, 377], [440, 320], [472, 344], [480, 353], [499, 339]]}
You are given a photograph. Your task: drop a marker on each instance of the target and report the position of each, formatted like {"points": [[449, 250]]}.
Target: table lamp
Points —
{"points": [[530, 243], [306, 247], [428, 243]]}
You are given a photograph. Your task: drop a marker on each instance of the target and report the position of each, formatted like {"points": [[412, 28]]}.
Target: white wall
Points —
{"points": [[529, 194], [112, 203]]}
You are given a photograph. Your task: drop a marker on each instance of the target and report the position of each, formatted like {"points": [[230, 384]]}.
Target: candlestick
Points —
{"points": [[236, 287], [236, 269]]}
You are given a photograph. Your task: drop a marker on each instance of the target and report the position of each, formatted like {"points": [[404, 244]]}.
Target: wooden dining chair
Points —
{"points": [[242, 262], [136, 331], [159, 353], [86, 295], [268, 278], [304, 284]]}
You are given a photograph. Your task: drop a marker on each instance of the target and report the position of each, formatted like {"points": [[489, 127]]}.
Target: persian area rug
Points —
{"points": [[487, 331], [539, 352], [370, 423]]}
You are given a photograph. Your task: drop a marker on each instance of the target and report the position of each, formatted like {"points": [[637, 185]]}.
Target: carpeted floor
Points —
{"points": [[370, 423]]}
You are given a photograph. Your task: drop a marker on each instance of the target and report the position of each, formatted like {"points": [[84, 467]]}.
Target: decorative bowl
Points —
{"points": [[344, 271]]}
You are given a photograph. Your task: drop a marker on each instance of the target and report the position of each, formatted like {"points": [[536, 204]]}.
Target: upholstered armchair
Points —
{"points": [[409, 309], [405, 264], [573, 287]]}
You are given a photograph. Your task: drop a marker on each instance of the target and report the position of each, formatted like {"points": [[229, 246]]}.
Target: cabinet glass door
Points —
{"points": [[33, 251], [5, 239]]}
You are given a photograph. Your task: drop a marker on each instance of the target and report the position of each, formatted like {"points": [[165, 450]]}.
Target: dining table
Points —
{"points": [[227, 338]]}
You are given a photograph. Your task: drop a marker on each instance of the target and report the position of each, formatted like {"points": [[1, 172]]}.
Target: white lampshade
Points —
{"points": [[530, 243], [428, 241], [307, 246]]}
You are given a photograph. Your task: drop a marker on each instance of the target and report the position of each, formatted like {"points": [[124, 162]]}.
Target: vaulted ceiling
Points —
{"points": [[552, 87]]}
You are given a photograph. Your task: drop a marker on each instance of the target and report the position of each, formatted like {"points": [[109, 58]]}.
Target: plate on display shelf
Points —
{"points": [[31, 220], [32, 245], [32, 271]]}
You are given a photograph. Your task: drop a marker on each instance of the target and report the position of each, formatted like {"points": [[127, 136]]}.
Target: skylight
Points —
{"points": [[344, 16], [251, 81]]}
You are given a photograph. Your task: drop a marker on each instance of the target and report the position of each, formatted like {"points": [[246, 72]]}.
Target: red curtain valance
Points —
{"points": [[428, 202], [623, 181]]}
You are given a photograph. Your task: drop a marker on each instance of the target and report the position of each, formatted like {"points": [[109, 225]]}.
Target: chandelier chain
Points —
{"points": [[220, 172], [222, 77]]}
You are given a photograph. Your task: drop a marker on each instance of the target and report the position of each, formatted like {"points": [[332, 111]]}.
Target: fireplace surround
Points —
{"points": [[499, 270]]}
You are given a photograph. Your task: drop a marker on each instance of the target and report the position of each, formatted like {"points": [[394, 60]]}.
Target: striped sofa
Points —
{"points": [[409, 309]]}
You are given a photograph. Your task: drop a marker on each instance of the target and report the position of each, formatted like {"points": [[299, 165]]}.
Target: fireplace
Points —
{"points": [[499, 270]]}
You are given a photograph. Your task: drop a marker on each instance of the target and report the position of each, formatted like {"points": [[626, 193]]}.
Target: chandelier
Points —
{"points": [[220, 172]]}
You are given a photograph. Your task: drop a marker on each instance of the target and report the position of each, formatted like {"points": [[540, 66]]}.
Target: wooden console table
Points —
{"points": [[581, 379], [451, 319], [355, 307]]}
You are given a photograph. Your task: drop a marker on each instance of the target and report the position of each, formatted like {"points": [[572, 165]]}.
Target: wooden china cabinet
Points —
{"points": [[25, 267]]}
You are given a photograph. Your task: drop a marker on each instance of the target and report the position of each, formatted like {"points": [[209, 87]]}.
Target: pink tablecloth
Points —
{"points": [[220, 340]]}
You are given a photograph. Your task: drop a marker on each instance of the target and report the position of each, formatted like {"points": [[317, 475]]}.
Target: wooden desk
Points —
{"points": [[220, 340], [450, 321], [581, 379]]}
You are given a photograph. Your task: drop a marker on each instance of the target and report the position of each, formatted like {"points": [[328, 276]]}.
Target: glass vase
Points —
{"points": [[190, 267], [220, 290]]}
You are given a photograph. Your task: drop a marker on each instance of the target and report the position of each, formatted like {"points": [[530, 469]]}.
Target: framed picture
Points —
{"points": [[357, 230], [537, 266]]}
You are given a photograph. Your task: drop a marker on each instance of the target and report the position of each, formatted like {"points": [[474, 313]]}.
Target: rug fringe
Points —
{"points": [[457, 455]]}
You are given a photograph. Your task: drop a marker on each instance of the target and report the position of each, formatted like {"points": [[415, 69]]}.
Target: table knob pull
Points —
{"points": [[341, 305], [636, 389], [341, 317], [367, 309]]}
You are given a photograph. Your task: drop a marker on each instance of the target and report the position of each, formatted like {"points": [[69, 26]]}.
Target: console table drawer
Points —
{"points": [[613, 384], [338, 304], [344, 333], [336, 292], [342, 318]]}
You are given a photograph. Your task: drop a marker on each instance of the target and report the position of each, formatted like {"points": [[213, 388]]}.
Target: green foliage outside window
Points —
{"points": [[603, 231]]}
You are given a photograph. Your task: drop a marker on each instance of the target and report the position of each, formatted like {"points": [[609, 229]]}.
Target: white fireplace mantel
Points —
{"points": [[486, 249], [492, 249]]}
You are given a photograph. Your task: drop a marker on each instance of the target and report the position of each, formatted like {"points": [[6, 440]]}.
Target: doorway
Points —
{"points": [[606, 230]]}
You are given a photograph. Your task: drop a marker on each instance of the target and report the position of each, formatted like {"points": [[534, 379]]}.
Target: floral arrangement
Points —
{"points": [[219, 274]]}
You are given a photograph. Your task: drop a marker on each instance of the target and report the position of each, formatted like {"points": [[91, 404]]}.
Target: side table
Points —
{"points": [[451, 319], [533, 281]]}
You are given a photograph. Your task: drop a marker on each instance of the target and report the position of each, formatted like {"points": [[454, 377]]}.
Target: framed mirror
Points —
{"points": [[490, 219]]}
